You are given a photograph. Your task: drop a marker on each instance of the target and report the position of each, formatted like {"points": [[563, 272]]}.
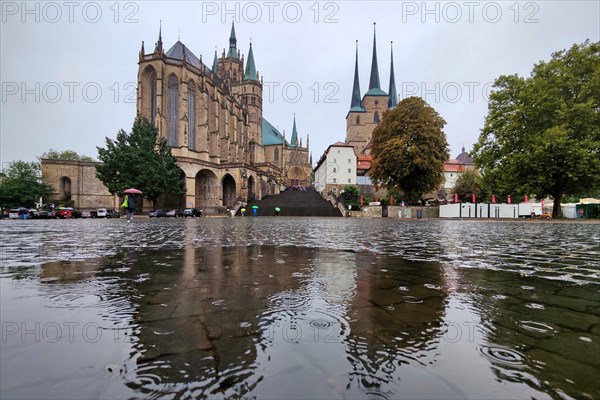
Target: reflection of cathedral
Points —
{"points": [[212, 118]]}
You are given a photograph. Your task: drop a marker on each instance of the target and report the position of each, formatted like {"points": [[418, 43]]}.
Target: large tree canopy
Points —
{"points": [[542, 133], [141, 160], [22, 186], [409, 149], [65, 155], [469, 183]]}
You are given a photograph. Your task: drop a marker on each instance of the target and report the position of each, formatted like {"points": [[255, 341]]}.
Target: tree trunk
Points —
{"points": [[556, 210], [154, 203]]}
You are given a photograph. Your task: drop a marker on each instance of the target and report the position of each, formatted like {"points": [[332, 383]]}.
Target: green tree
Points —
{"points": [[142, 160], [409, 149], [542, 134], [65, 155], [469, 183], [22, 186], [351, 195]]}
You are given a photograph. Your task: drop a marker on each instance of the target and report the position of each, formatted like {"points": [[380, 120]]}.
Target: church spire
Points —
{"points": [[232, 53], [294, 141], [393, 96], [355, 104], [159, 44], [250, 73], [374, 81], [215, 66]]}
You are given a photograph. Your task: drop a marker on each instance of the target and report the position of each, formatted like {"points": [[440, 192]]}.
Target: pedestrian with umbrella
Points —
{"points": [[255, 210], [277, 211], [129, 202]]}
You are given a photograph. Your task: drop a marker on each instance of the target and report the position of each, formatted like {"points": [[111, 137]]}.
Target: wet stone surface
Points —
{"points": [[299, 308]]}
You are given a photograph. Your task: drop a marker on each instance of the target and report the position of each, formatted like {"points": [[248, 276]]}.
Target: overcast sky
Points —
{"points": [[69, 69]]}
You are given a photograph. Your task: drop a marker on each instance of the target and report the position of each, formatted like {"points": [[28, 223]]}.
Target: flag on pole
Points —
{"points": [[493, 199], [456, 197], [526, 199], [473, 198], [361, 200], [391, 200], [508, 199]]}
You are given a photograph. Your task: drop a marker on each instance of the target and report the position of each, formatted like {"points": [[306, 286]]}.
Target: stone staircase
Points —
{"points": [[294, 203]]}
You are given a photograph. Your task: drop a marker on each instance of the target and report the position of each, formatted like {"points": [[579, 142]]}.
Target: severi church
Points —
{"points": [[212, 119]]}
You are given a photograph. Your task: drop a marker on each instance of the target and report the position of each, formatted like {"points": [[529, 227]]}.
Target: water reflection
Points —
{"points": [[188, 319]]}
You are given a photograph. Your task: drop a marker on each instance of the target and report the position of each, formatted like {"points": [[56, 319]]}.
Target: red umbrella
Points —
{"points": [[132, 191], [494, 199]]}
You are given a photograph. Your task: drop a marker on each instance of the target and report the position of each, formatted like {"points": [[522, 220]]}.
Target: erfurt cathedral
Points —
{"points": [[212, 118]]}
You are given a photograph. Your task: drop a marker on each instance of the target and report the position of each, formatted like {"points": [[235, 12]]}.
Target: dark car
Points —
{"points": [[174, 213], [192, 212], [157, 214], [112, 214]]}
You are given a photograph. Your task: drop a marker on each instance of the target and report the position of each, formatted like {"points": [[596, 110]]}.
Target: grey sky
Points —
{"points": [[68, 69]]}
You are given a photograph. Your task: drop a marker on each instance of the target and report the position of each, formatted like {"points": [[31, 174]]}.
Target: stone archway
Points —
{"points": [[206, 189], [65, 188], [228, 185], [251, 194], [297, 177]]}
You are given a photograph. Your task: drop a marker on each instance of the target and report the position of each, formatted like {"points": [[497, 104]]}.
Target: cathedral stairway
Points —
{"points": [[295, 203]]}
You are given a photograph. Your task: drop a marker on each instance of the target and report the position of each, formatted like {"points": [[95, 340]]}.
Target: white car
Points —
{"points": [[102, 213]]}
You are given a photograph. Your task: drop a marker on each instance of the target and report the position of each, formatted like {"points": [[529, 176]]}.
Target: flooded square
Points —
{"points": [[277, 308]]}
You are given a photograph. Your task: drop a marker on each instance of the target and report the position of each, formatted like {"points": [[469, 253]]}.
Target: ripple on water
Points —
{"points": [[537, 327], [412, 300], [503, 355], [534, 306]]}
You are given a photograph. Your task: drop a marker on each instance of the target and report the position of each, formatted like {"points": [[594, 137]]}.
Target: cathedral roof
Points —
{"points": [[374, 88], [464, 158], [250, 73], [179, 50], [270, 134]]}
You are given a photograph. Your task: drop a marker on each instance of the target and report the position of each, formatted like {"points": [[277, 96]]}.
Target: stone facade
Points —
{"points": [[74, 183], [213, 121]]}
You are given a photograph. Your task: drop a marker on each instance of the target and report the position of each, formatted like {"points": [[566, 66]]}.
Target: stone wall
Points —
{"points": [[75, 183], [412, 212]]}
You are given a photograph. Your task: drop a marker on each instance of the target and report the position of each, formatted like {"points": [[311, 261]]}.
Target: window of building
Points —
{"points": [[276, 156], [349, 170], [376, 102], [376, 117], [334, 170], [349, 180], [172, 107], [191, 111], [334, 180], [349, 161], [358, 120]]}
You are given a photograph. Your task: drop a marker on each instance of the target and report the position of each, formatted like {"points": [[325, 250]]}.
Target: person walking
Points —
{"points": [[129, 206], [277, 211]]}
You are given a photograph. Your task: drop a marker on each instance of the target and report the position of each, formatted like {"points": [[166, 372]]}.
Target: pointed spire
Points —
{"points": [[232, 53], [215, 66], [250, 73], [294, 141], [374, 81], [159, 44], [307, 140], [393, 96], [355, 104]]}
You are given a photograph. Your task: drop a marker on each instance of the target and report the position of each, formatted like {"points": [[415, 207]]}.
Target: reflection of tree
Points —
{"points": [[394, 318]]}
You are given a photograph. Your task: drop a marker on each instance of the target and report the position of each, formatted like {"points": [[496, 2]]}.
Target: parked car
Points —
{"points": [[41, 214], [101, 213], [13, 213], [86, 214], [192, 212], [174, 213], [112, 214], [157, 214]]}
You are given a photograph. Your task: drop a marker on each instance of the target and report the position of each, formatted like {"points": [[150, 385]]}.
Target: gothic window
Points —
{"points": [[191, 112], [149, 93], [334, 170], [253, 101], [376, 102], [358, 120], [276, 156], [153, 97], [376, 117], [172, 107]]}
